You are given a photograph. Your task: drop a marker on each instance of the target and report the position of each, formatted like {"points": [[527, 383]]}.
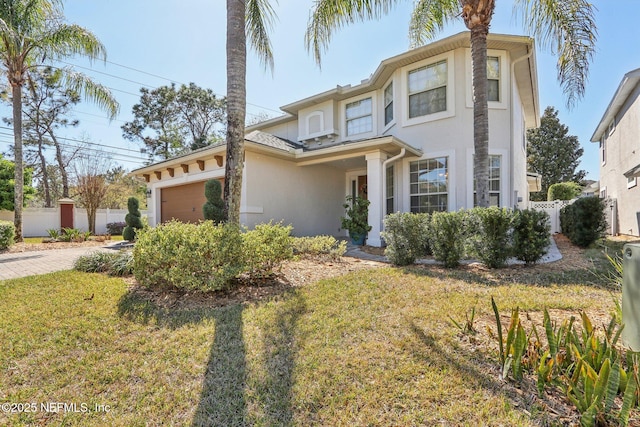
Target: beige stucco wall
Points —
{"points": [[308, 197], [622, 153]]}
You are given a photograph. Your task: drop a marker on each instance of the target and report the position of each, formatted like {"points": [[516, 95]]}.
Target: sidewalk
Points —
{"points": [[22, 264]]}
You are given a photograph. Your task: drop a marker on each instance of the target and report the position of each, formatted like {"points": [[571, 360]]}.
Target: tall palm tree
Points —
{"points": [[566, 25], [32, 32], [251, 18]]}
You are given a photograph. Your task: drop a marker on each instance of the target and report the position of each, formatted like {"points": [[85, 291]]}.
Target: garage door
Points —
{"points": [[183, 202]]}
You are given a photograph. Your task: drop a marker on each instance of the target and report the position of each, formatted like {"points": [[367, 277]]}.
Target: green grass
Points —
{"points": [[375, 347]]}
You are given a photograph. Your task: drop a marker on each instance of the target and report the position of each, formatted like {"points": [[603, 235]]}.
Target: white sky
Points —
{"points": [[184, 41]]}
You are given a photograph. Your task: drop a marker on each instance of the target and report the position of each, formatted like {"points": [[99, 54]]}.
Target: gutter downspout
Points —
{"points": [[511, 154], [403, 151]]}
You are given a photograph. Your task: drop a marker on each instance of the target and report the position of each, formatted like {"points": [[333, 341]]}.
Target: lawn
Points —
{"points": [[373, 347]]}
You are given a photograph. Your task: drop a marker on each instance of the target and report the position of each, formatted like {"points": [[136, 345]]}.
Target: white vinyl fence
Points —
{"points": [[553, 209], [36, 221]]}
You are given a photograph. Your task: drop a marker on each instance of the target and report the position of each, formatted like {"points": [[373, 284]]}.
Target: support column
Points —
{"points": [[374, 192]]}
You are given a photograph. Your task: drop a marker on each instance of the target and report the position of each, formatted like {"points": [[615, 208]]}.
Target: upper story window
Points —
{"points": [[428, 89], [315, 122], [493, 78], [603, 150], [388, 104], [359, 115]]}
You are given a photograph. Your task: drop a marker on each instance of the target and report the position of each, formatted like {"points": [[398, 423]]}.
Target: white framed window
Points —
{"points": [[611, 128], [388, 104], [603, 150], [389, 187], [495, 163], [427, 89], [359, 116], [603, 193], [632, 181], [493, 79], [429, 185]]}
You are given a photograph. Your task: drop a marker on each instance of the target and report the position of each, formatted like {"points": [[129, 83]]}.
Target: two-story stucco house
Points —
{"points": [[618, 134], [403, 138]]}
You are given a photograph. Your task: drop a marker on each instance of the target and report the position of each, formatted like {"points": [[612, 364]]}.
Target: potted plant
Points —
{"points": [[355, 221]]}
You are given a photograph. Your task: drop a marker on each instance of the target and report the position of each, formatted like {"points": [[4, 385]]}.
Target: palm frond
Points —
{"points": [[260, 20], [568, 28], [67, 40], [91, 90], [329, 15], [429, 17]]}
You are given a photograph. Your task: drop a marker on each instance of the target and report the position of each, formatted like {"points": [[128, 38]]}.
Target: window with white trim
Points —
{"points": [[359, 115], [494, 182], [603, 150], [429, 185], [389, 195], [493, 78], [427, 88], [388, 104], [632, 181]]}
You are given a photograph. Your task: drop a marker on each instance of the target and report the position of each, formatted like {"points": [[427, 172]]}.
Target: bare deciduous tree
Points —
{"points": [[91, 184]]}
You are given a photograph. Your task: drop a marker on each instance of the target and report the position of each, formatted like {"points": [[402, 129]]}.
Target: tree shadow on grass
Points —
{"points": [[229, 396]]}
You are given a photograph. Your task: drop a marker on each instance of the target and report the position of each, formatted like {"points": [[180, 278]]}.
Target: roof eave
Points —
{"points": [[627, 84]]}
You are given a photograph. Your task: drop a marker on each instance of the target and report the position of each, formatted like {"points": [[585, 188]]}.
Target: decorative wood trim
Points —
{"points": [[200, 164], [185, 167], [158, 174], [170, 170], [147, 177], [218, 160]]}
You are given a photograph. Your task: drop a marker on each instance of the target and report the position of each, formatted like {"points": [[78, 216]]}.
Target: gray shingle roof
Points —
{"points": [[271, 141]]}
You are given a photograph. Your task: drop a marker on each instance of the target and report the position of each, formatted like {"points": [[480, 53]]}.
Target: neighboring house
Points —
{"points": [[618, 134], [403, 138]]}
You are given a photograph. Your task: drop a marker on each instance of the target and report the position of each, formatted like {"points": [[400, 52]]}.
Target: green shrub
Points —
{"points": [[213, 209], [583, 222], [563, 191], [7, 234], [203, 256], [407, 237], [266, 246], [318, 246], [448, 237], [490, 231], [133, 220], [113, 263], [531, 233]]}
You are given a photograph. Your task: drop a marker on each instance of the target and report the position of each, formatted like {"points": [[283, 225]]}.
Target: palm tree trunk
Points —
{"points": [[236, 108], [480, 114], [18, 201]]}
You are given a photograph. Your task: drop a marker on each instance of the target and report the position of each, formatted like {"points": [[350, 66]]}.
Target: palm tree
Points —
{"points": [[566, 25], [32, 32], [250, 18]]}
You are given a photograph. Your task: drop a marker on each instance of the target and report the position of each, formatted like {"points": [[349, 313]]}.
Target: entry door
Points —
{"points": [[359, 187]]}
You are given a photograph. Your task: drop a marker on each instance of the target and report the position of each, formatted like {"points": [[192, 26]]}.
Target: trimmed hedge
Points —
{"points": [[531, 234], [407, 237], [584, 222], [7, 234], [201, 256], [448, 237], [563, 191], [208, 256], [319, 246], [490, 234]]}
